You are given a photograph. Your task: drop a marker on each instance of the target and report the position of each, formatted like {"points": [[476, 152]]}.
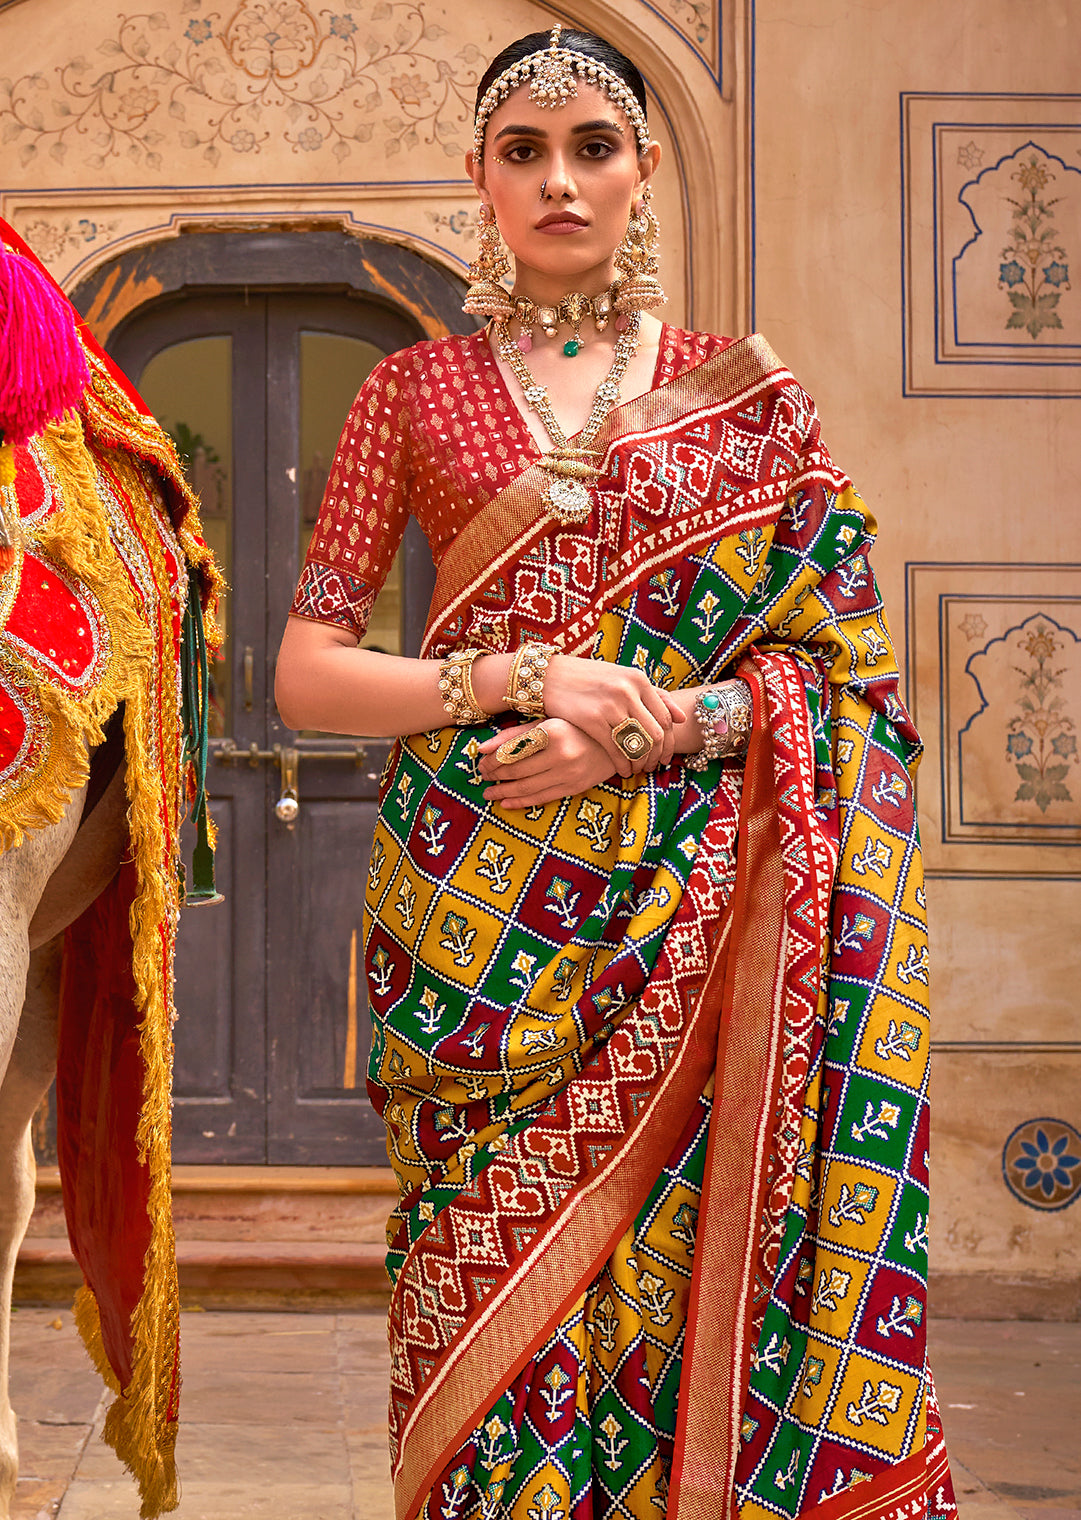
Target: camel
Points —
{"points": [[104, 580], [46, 884]]}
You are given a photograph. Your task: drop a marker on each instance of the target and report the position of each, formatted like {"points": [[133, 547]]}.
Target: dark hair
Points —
{"points": [[586, 43]]}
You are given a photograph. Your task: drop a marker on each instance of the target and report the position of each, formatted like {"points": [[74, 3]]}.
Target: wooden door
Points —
{"points": [[273, 1029]]}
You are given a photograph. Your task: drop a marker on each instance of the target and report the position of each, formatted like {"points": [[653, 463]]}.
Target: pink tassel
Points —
{"points": [[43, 370]]}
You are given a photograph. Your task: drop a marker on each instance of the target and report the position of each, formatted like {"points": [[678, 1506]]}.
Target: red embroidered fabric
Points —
{"points": [[434, 433]]}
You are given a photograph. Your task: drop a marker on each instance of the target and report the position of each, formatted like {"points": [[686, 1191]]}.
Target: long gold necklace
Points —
{"points": [[571, 470]]}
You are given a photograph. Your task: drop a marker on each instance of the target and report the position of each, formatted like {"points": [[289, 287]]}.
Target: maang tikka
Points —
{"points": [[486, 296], [553, 75]]}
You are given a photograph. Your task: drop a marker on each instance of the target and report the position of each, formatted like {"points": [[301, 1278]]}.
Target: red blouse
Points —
{"points": [[434, 432]]}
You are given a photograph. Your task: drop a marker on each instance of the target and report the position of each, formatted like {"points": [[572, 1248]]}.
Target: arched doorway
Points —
{"points": [[253, 379]]}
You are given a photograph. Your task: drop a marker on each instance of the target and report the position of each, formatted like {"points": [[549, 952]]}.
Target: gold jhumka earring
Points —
{"points": [[486, 296], [637, 287]]}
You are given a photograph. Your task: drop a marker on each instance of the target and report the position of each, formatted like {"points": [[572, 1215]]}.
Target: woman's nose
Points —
{"points": [[560, 183]]}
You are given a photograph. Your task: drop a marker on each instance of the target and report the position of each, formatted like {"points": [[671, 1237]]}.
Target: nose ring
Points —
{"points": [[544, 187]]}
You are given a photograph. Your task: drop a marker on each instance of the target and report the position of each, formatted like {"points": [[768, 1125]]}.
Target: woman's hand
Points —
{"points": [[572, 763], [596, 695]]}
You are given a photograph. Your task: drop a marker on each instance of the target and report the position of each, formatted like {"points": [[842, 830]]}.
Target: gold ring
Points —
{"points": [[630, 737], [521, 748]]}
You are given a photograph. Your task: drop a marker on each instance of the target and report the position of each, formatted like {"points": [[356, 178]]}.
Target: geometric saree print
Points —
{"points": [[653, 1059]]}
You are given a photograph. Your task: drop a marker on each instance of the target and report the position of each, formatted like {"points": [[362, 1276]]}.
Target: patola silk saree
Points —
{"points": [[652, 1059]]}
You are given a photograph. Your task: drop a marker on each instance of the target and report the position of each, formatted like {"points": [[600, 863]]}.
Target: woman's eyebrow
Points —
{"points": [[585, 126]]}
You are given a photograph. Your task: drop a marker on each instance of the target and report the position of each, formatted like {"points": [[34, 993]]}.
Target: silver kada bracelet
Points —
{"points": [[724, 718]]}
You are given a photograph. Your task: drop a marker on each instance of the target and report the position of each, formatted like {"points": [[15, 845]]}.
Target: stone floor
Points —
{"points": [[284, 1419]]}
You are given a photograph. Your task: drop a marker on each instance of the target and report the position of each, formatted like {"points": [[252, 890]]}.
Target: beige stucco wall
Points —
{"points": [[115, 133], [842, 176], [961, 484]]}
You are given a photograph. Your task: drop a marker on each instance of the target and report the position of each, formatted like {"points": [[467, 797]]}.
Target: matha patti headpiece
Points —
{"points": [[553, 73]]}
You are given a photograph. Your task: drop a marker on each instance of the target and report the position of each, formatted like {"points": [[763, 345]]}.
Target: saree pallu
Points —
{"points": [[652, 1059]]}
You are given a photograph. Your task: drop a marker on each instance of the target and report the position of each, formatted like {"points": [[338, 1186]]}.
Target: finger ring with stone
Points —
{"points": [[521, 748], [630, 737]]}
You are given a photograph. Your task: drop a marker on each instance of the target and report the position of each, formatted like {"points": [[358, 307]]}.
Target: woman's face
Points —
{"points": [[562, 183]]}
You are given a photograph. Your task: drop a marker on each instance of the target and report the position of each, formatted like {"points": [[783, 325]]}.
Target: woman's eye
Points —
{"points": [[598, 149], [521, 153]]}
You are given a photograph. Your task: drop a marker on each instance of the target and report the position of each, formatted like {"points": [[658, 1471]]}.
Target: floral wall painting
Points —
{"points": [[1041, 1163], [1019, 748], [217, 85], [126, 125], [1026, 216], [992, 230], [994, 656]]}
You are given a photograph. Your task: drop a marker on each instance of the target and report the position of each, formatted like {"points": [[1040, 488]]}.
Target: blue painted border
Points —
{"points": [[999, 639], [947, 873], [944, 737], [906, 260], [1044, 347], [715, 74], [752, 71]]}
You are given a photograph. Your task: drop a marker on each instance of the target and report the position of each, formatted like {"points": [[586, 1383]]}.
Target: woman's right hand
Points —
{"points": [[596, 696], [570, 763]]}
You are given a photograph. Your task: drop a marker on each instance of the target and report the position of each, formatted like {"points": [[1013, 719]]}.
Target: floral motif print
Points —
{"points": [[1041, 1162], [1034, 270], [1042, 742], [273, 69], [272, 37]]}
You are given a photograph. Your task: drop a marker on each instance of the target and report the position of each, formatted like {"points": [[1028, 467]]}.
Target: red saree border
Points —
{"points": [[714, 1355], [898, 1493], [515, 519], [515, 1321]]}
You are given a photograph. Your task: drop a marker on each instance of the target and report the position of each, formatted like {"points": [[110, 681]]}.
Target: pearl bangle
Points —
{"points": [[456, 687]]}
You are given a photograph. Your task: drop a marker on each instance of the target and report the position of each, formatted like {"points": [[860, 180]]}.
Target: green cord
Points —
{"points": [[195, 684]]}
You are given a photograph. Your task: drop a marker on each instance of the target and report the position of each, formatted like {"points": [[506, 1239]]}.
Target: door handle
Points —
{"points": [[288, 804], [249, 676], [287, 757], [229, 752]]}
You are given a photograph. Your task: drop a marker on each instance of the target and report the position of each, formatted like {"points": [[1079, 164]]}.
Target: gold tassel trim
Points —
{"points": [[138, 1424], [77, 539]]}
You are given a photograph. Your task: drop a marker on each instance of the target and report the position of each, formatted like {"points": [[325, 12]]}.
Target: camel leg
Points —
{"points": [[27, 1060]]}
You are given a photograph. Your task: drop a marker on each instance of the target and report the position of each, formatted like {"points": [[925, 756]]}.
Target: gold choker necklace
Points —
{"points": [[571, 311]]}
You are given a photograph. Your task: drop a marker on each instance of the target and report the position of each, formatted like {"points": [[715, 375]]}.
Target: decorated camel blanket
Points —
{"points": [[103, 551]]}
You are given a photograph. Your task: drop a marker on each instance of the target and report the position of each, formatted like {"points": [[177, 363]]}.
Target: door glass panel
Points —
{"points": [[332, 370], [188, 387]]}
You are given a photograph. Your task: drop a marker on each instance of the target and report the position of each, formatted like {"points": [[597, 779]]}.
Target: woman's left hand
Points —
{"points": [[572, 763]]}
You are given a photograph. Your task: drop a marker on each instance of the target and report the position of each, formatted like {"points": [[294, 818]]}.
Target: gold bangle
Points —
{"points": [[525, 681], [456, 687]]}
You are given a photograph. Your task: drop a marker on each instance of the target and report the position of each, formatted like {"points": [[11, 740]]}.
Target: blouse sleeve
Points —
{"points": [[365, 507]]}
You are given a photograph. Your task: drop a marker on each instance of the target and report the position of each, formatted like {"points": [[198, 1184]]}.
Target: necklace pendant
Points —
{"points": [[568, 500], [571, 347]]}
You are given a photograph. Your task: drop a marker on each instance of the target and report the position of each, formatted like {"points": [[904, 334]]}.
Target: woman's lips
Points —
{"points": [[561, 222]]}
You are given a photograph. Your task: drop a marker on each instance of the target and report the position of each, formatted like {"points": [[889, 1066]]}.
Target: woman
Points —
{"points": [[644, 932]]}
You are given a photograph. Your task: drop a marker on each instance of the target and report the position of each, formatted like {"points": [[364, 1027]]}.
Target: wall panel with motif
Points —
{"points": [[917, 226]]}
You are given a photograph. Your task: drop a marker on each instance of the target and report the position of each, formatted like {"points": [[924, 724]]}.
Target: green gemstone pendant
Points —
{"points": [[571, 347]]}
